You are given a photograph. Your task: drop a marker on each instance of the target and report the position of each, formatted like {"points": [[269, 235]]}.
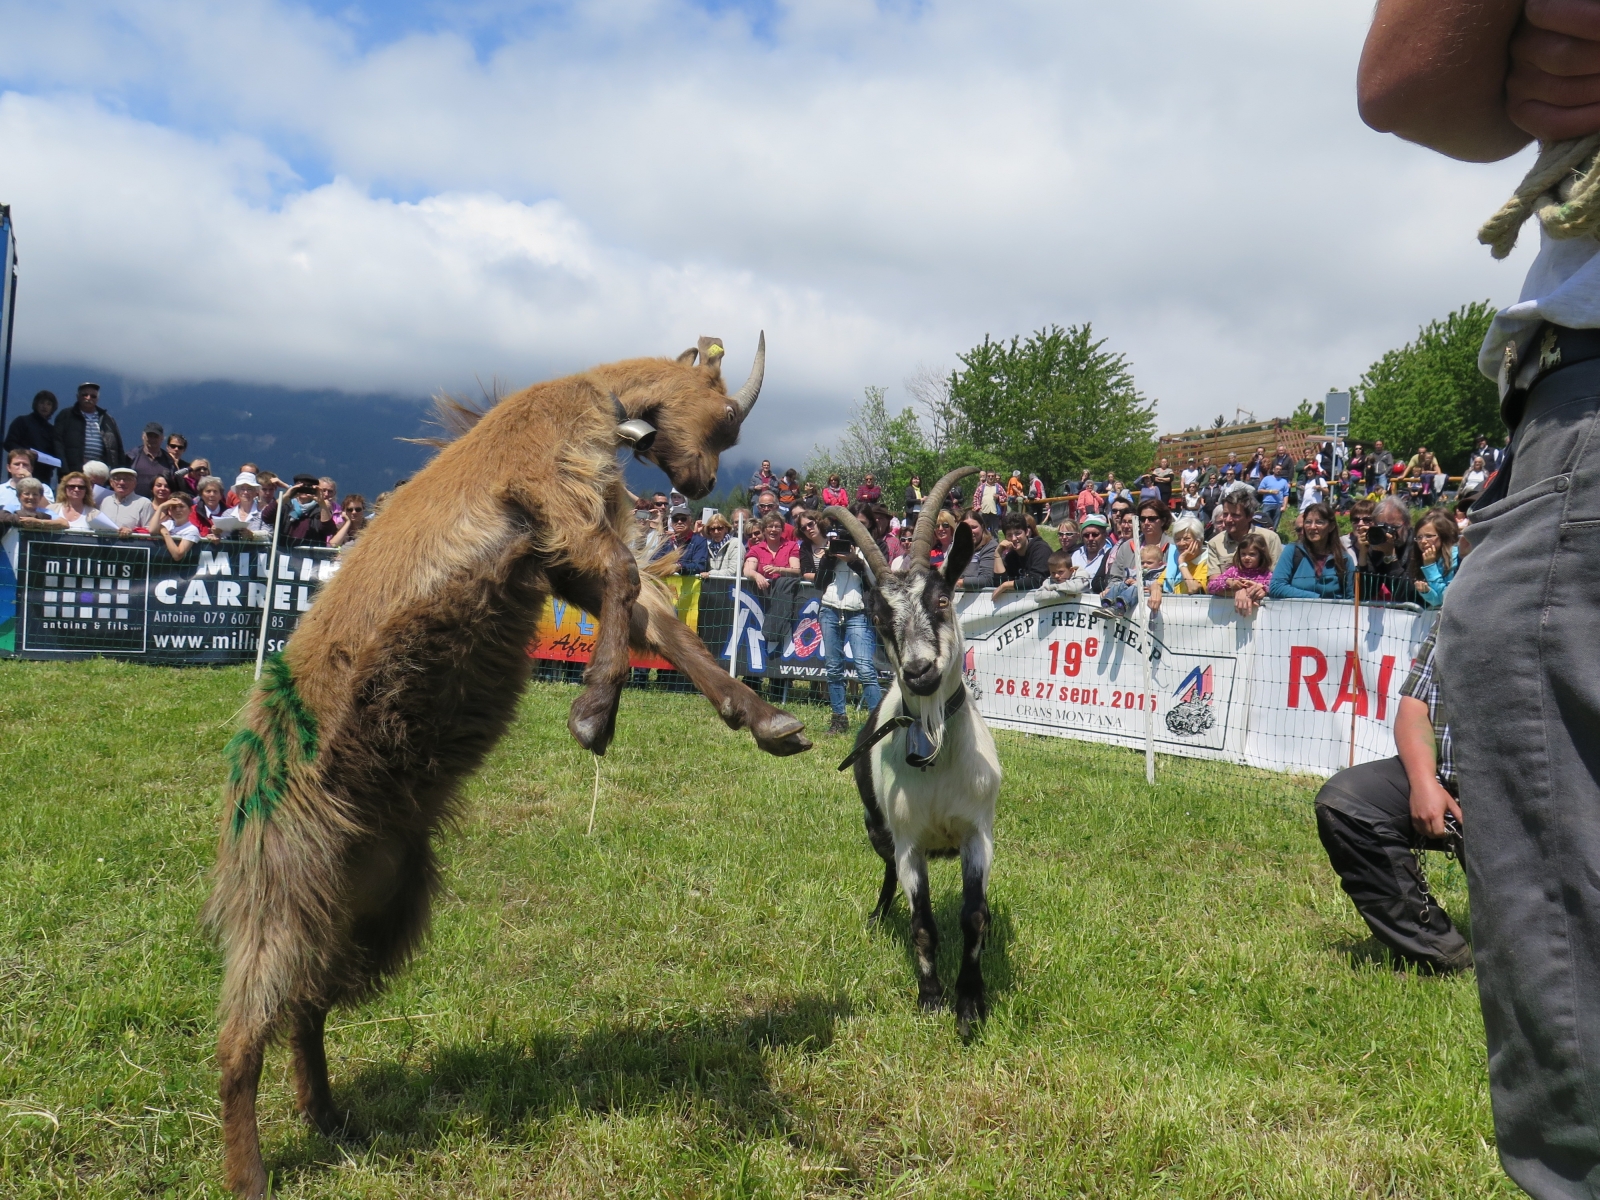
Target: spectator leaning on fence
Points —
{"points": [[1024, 560], [1238, 510], [74, 504], [693, 556], [724, 554], [1435, 555], [32, 512], [1317, 567], [1187, 569], [1093, 559], [1248, 577], [773, 556], [209, 503], [175, 527], [33, 431], [1384, 556], [247, 507], [980, 574], [126, 507]]}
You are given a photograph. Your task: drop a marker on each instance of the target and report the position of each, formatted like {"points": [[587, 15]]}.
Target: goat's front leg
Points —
{"points": [[912, 867], [613, 573], [972, 1003], [656, 627]]}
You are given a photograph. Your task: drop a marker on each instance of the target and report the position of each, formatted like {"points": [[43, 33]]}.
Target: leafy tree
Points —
{"points": [[1306, 417], [890, 445], [1055, 403], [1430, 392]]}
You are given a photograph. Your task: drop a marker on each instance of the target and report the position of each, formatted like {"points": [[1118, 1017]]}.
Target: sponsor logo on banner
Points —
{"points": [[79, 595], [1071, 667], [804, 656], [1305, 685], [566, 633]]}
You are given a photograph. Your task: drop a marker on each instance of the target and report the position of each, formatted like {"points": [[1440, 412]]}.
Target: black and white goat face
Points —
{"points": [[914, 612]]}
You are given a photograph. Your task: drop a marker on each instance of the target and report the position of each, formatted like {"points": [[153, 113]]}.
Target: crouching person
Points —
{"points": [[1377, 818]]}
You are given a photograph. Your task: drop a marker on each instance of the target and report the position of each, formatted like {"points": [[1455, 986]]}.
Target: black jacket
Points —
{"points": [[69, 439], [30, 431], [1030, 568]]}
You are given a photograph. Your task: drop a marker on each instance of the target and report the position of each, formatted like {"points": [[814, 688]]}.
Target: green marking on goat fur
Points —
{"points": [[258, 767]]}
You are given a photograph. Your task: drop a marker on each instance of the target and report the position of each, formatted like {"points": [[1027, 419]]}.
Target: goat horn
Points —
{"points": [[745, 398], [864, 541], [928, 520]]}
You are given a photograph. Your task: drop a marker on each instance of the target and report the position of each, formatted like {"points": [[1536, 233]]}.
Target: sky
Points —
{"points": [[407, 197]]}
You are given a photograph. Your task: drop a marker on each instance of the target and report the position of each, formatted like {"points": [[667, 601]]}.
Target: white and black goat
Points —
{"points": [[925, 763]]}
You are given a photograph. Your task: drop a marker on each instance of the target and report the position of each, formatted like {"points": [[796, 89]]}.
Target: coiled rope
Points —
{"points": [[1562, 189]]}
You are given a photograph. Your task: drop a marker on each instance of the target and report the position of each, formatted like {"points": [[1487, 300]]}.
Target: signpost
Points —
{"points": [[8, 306]]}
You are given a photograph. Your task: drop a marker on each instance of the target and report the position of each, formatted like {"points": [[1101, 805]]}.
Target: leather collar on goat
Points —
{"points": [[632, 432], [904, 720]]}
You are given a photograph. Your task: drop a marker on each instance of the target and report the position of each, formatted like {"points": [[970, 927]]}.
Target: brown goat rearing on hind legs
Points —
{"points": [[407, 671]]}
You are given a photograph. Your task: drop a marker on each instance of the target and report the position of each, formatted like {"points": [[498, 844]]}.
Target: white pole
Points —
{"points": [[1150, 712], [738, 578], [272, 575]]}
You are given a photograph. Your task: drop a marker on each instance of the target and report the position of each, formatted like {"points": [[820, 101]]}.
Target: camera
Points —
{"points": [[1380, 535]]}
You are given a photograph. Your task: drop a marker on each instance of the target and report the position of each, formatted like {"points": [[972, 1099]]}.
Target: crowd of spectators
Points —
{"points": [[72, 471]]}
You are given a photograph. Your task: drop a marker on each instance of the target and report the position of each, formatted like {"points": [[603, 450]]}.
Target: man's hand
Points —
{"points": [[1002, 589], [1429, 804], [1553, 89]]}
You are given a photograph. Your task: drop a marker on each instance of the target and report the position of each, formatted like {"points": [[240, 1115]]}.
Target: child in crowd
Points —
{"points": [[1123, 598], [174, 522], [1062, 581], [1250, 568]]}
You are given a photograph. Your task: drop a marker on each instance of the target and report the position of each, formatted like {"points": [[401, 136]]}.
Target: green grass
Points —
{"points": [[688, 1003]]}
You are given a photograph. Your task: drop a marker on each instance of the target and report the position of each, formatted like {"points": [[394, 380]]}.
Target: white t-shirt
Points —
{"points": [[1191, 475], [181, 533], [75, 524], [1562, 287]]}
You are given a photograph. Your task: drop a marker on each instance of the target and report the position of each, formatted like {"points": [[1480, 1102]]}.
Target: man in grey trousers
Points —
{"points": [[1519, 646]]}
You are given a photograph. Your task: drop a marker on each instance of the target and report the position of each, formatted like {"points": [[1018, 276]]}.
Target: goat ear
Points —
{"points": [[711, 352], [686, 359], [959, 556]]}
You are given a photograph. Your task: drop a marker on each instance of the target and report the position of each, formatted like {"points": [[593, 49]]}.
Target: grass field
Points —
{"points": [[688, 1003]]}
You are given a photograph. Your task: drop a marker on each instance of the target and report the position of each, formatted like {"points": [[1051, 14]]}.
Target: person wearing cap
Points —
{"points": [[86, 431], [1092, 560], [694, 554], [33, 431], [126, 507], [149, 461]]}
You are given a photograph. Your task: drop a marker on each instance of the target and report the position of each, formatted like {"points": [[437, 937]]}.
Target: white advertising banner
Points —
{"points": [[1295, 688]]}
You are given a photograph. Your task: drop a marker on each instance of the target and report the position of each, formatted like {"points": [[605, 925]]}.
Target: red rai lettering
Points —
{"points": [[1357, 696], [1385, 674], [1311, 679]]}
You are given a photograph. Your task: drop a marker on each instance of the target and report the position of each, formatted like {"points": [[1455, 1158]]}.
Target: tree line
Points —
{"points": [[1059, 401], [1055, 403]]}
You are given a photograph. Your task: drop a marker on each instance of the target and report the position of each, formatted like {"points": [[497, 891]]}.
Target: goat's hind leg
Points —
{"points": [[972, 1003], [313, 1092], [241, 1047], [912, 868]]}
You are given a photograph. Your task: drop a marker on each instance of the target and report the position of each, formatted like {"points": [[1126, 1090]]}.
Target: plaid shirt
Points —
{"points": [[1422, 684]]}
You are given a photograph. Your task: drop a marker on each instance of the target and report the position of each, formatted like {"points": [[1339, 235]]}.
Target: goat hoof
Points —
{"points": [[593, 722], [334, 1124], [931, 1002], [780, 734], [877, 917], [971, 1011]]}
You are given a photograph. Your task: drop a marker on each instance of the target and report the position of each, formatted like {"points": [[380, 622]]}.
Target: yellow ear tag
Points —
{"points": [[714, 351]]}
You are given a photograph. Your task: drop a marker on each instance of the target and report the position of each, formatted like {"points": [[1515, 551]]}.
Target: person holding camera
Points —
{"points": [[843, 616], [308, 521], [1380, 540], [1376, 819]]}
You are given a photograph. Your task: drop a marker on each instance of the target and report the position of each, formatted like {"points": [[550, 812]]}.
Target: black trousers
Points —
{"points": [[1364, 821]]}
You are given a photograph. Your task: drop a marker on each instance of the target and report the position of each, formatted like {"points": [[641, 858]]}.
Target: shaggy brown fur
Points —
{"points": [[404, 675]]}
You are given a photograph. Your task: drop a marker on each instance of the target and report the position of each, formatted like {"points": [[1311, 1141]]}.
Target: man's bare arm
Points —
{"points": [[1434, 72]]}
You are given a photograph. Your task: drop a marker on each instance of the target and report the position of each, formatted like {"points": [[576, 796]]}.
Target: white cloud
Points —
{"points": [[877, 187]]}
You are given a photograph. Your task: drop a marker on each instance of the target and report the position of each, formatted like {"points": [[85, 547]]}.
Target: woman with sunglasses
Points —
{"points": [[1152, 520], [354, 509], [72, 502]]}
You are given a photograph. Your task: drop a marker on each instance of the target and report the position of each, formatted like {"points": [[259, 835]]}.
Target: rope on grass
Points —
{"points": [[1562, 189], [594, 801]]}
